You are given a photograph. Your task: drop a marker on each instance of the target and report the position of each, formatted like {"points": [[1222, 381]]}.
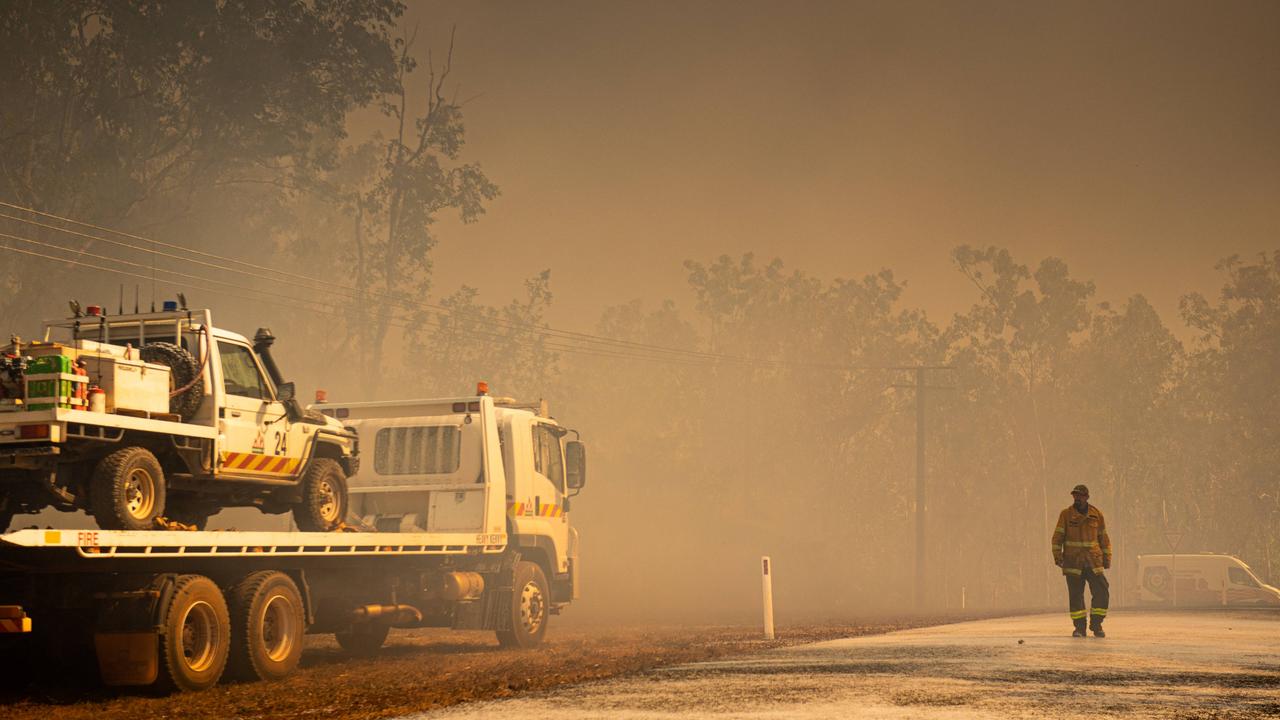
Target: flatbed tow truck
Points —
{"points": [[464, 524]]}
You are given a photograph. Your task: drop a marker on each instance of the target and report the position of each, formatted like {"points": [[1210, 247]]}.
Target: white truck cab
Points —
{"points": [[492, 466]]}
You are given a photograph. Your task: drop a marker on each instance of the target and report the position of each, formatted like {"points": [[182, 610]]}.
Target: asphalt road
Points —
{"points": [[1172, 665]]}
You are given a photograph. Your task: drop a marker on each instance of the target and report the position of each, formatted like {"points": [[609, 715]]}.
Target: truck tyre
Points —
{"points": [[363, 639], [324, 497], [184, 370], [530, 607], [267, 626], [195, 637], [6, 515], [127, 490]]}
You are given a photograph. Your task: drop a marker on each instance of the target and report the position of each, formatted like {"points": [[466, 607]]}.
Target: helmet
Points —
{"points": [[1080, 490]]}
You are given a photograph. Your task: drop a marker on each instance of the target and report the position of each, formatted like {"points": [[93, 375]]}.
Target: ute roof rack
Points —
{"points": [[100, 327]]}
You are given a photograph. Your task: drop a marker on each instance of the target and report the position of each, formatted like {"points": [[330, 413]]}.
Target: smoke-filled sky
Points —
{"points": [[1140, 141]]}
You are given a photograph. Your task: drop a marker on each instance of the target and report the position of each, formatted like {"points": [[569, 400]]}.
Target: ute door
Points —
{"points": [[549, 489], [253, 420]]}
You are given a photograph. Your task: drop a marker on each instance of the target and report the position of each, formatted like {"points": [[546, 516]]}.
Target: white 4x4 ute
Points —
{"points": [[134, 418]]}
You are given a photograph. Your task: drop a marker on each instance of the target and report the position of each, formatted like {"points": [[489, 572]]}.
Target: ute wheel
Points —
{"points": [[363, 639], [127, 490], [268, 624], [530, 607], [184, 370], [324, 497], [196, 637]]}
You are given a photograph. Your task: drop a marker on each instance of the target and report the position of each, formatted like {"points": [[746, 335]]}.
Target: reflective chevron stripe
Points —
{"points": [[271, 464], [521, 509], [15, 625]]}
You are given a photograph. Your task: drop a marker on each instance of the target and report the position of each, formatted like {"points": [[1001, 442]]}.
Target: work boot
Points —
{"points": [[1079, 631], [1097, 630]]}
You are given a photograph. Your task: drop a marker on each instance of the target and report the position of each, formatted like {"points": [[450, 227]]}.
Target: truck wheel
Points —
{"points": [[363, 639], [529, 607], [127, 490], [268, 624], [324, 497], [196, 637], [184, 370], [6, 515]]}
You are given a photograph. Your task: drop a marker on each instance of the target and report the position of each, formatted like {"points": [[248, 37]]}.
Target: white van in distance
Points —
{"points": [[1202, 580]]}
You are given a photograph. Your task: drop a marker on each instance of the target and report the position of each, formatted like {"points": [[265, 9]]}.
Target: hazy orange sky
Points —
{"points": [[1139, 141]]}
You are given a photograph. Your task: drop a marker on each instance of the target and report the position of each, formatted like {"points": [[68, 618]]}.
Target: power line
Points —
{"points": [[396, 322], [171, 246], [277, 275], [561, 340]]}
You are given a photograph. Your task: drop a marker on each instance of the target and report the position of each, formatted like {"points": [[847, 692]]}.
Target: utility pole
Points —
{"points": [[920, 488]]}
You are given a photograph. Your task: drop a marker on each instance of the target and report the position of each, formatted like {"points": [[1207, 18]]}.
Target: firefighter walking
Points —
{"points": [[1082, 549]]}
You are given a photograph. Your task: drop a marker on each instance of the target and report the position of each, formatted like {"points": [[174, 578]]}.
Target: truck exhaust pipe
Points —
{"points": [[391, 614]]}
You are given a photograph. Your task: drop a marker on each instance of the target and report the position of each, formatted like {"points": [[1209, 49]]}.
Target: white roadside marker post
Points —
{"points": [[766, 583]]}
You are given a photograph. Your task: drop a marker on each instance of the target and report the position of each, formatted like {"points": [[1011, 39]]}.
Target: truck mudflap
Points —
{"points": [[14, 620], [127, 658], [493, 610], [127, 631]]}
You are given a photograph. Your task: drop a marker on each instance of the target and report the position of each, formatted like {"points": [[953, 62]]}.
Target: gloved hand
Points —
{"points": [[1057, 561]]}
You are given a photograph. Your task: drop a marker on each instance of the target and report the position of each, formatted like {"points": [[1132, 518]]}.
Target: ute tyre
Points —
{"points": [[364, 639], [127, 490], [184, 370], [530, 607], [267, 625], [324, 497], [196, 636]]}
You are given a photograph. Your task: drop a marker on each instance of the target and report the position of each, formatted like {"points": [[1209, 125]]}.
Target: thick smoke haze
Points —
{"points": [[1037, 196]]}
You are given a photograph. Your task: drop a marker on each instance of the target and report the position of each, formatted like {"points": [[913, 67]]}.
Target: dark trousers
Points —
{"points": [[1099, 596]]}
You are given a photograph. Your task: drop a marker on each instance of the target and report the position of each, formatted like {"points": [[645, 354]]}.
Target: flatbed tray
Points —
{"points": [[158, 423], [93, 545]]}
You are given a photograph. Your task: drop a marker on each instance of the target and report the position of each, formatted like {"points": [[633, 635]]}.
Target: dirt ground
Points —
{"points": [[418, 670]]}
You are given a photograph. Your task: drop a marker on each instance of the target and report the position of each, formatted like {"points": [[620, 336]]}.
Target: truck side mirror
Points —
{"points": [[575, 456], [287, 396]]}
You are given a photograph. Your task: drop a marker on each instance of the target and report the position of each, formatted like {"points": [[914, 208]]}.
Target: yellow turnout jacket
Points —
{"points": [[1081, 541]]}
